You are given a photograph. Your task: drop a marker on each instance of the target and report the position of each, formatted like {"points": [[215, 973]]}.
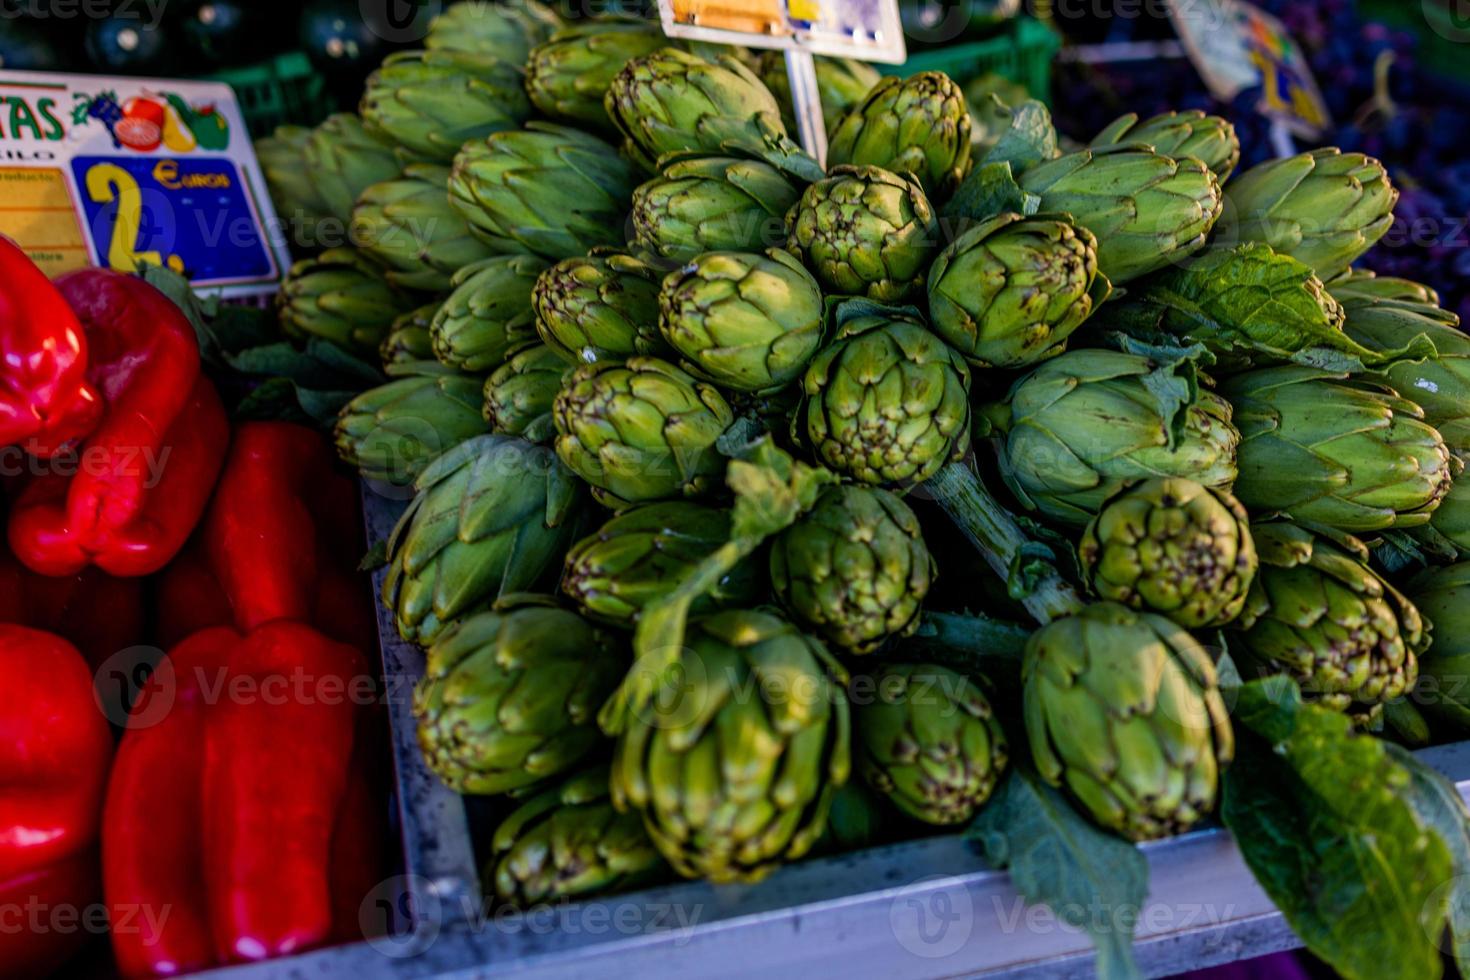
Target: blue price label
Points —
{"points": [[193, 215]]}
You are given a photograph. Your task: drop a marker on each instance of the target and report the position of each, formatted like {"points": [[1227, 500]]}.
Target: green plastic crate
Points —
{"points": [[1022, 53], [285, 89]]}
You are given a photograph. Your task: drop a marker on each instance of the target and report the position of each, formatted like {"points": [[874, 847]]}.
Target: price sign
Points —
{"points": [[1236, 46], [117, 172], [868, 30]]}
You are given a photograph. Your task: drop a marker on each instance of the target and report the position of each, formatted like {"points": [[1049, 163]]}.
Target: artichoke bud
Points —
{"points": [[408, 340], [641, 554], [928, 741], [488, 315], [601, 307], [340, 297], [344, 159], [855, 569], [493, 515], [510, 696], [391, 433], [1146, 210], [745, 321], [519, 394], [918, 125], [1442, 596], [1328, 449], [1324, 208], [1009, 292], [641, 431], [568, 75], [408, 227], [504, 30], [1123, 709], [886, 402], [1209, 139], [569, 840], [865, 231], [710, 204], [1082, 426], [672, 101], [1172, 547], [1318, 613], [282, 157], [548, 190], [734, 762], [432, 102]]}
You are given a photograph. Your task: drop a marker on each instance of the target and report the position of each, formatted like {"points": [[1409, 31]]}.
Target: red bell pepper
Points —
{"points": [[143, 477], [98, 614], [45, 398], [55, 746], [279, 541], [236, 801]]}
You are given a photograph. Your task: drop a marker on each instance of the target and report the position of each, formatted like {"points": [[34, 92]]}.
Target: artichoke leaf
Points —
{"points": [[1330, 823], [989, 191], [1030, 139]]}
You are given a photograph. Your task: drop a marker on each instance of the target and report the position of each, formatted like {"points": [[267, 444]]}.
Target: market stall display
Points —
{"points": [[753, 508]]}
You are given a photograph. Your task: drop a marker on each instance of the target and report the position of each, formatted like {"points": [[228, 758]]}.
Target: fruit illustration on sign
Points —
{"points": [[141, 125]]}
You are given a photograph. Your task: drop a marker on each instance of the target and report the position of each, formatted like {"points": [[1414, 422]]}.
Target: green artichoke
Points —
{"points": [[1209, 139], [343, 160], [510, 697], [929, 742], [841, 84], [734, 763], [1324, 207], [1346, 453], [599, 308], [1083, 425], [408, 227], [670, 101], [340, 297], [548, 190], [432, 102], [1124, 710], [865, 231], [1318, 613], [282, 157], [886, 402], [408, 340], [1172, 547], [488, 315], [1145, 209], [494, 515], [394, 431], [1442, 596], [638, 556], [640, 431], [712, 204], [504, 30], [567, 77], [518, 396], [1010, 291], [570, 840], [855, 569], [1447, 535], [745, 321], [918, 125], [1386, 314]]}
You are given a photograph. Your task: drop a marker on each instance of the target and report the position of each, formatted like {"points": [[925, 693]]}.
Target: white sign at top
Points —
{"points": [[866, 30]]}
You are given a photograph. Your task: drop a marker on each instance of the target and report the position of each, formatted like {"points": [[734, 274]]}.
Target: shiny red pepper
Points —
{"points": [[142, 478], [46, 401], [55, 747], [237, 801], [98, 614], [279, 541]]}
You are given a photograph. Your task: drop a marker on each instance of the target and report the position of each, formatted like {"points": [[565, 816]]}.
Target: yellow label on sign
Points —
{"points": [[38, 212], [732, 15]]}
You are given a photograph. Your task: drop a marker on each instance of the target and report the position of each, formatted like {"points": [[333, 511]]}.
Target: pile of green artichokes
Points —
{"points": [[598, 271]]}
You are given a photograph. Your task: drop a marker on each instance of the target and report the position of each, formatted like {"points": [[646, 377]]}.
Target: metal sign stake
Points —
{"points": [[806, 102]]}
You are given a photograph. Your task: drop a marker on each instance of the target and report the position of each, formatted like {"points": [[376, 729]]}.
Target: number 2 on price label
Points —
{"points": [[107, 182]]}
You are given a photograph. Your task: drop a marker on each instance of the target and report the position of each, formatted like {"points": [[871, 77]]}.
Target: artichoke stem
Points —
{"points": [[970, 643], [1000, 540]]}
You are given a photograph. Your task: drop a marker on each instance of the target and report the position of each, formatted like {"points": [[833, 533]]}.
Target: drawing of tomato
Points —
{"points": [[141, 127]]}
